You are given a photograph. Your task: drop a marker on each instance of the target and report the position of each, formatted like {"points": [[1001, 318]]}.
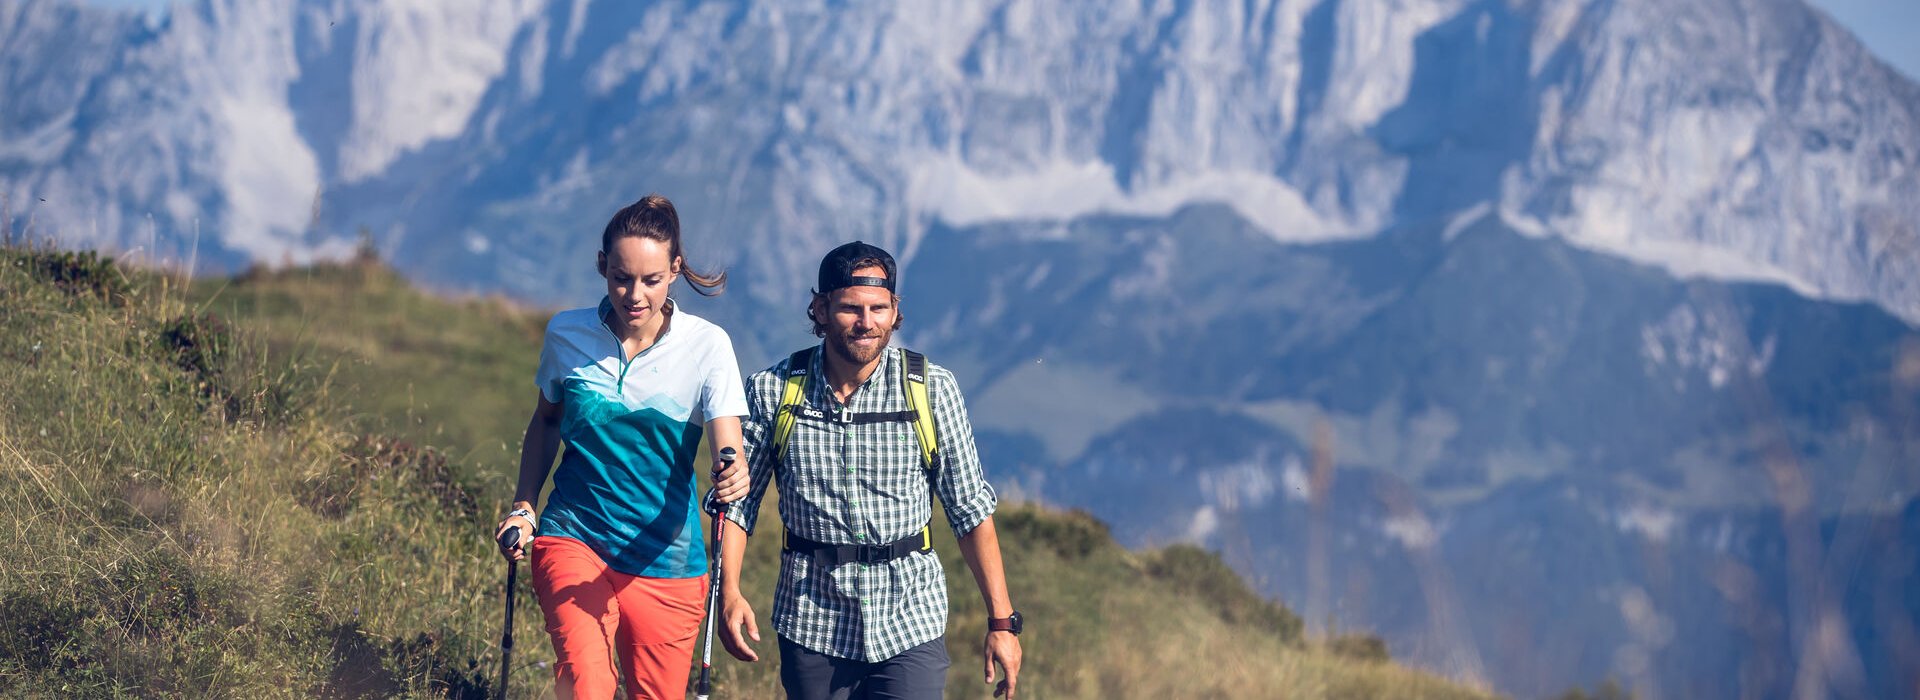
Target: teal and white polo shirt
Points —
{"points": [[626, 485]]}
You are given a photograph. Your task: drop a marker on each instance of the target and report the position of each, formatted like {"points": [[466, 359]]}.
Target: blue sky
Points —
{"points": [[1887, 26]]}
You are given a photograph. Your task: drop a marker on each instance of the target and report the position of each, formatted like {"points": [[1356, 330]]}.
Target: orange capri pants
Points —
{"points": [[595, 614]]}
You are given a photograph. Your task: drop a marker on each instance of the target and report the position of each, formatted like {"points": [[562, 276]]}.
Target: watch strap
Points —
{"points": [[1003, 624]]}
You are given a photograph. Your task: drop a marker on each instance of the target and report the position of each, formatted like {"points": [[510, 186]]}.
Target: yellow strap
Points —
{"points": [[784, 418], [915, 378]]}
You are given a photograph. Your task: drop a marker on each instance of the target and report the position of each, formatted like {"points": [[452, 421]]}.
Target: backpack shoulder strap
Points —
{"points": [[914, 381], [794, 391]]}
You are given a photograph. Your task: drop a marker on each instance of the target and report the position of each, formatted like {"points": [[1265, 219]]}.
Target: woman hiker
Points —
{"points": [[619, 559]]}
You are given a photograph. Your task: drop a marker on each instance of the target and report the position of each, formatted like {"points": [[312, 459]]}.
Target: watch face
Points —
{"points": [[1011, 623]]}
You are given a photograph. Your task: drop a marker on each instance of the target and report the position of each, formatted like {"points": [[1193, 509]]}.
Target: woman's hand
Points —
{"points": [[730, 481], [519, 548]]}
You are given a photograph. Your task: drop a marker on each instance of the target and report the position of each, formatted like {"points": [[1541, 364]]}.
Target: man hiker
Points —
{"points": [[862, 436]]}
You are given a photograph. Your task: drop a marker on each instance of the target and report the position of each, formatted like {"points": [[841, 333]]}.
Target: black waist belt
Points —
{"points": [[832, 555]]}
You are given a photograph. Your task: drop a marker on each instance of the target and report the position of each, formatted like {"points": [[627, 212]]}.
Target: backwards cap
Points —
{"points": [[836, 270]]}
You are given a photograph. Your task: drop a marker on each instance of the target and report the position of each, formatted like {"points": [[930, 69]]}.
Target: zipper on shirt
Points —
{"points": [[620, 351], [620, 355]]}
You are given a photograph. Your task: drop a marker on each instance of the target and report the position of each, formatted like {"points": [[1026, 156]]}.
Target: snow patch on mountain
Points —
{"points": [[267, 171], [1701, 341], [1653, 523], [1375, 55], [421, 67], [1412, 530], [1680, 258], [1205, 522], [948, 187], [1294, 483], [1239, 486], [272, 179]]}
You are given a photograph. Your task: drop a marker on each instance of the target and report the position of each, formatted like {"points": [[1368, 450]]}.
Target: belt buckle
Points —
{"points": [[873, 554]]}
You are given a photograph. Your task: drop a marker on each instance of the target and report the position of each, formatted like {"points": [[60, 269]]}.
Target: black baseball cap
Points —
{"points": [[836, 270]]}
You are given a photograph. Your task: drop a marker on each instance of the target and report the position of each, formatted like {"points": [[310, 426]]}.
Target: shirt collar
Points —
{"points": [[605, 313]]}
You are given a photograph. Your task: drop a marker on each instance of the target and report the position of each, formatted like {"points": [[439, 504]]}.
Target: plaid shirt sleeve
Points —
{"points": [[960, 481], [763, 398]]}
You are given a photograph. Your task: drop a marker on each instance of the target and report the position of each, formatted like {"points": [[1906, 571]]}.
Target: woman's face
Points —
{"points": [[638, 271]]}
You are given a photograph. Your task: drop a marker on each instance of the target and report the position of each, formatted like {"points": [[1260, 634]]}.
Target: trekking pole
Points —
{"points": [[705, 687], [507, 541]]}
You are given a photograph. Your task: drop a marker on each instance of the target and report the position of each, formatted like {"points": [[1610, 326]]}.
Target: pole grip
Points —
{"points": [[509, 538], [711, 504]]}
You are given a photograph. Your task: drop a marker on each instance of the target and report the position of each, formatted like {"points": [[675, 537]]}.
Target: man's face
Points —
{"points": [[860, 319]]}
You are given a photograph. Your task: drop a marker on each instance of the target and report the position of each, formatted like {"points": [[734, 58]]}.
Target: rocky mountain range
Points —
{"points": [[1553, 339]]}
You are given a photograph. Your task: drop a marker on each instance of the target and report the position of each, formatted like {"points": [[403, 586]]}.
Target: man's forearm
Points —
{"points": [[981, 549], [733, 551]]}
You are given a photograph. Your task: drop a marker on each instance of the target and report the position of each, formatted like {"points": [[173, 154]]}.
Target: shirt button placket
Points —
{"points": [[845, 432], [859, 524]]}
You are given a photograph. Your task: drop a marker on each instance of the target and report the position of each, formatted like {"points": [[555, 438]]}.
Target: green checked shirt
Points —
{"points": [[843, 483]]}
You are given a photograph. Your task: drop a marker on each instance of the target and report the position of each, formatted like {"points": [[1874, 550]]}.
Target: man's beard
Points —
{"points": [[843, 346]]}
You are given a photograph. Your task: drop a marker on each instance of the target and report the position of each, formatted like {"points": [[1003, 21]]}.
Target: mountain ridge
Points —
{"points": [[1494, 252], [1564, 115]]}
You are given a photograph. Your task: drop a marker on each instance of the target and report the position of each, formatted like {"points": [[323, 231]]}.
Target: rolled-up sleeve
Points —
{"points": [[763, 398], [961, 482]]}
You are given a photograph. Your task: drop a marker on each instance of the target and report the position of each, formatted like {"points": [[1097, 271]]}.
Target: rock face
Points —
{"points": [[1728, 138], [219, 128], [1549, 272]]}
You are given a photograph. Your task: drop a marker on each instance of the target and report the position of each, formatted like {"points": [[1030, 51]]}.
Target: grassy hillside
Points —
{"points": [[282, 485]]}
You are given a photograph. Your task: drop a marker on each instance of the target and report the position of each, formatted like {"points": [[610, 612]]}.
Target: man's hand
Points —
{"points": [[734, 612], [1004, 648], [730, 481]]}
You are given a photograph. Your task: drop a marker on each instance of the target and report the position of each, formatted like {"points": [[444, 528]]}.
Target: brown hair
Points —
{"points": [[653, 218], [820, 300]]}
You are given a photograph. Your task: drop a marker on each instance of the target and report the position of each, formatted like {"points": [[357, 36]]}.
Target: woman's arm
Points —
{"points": [[537, 449]]}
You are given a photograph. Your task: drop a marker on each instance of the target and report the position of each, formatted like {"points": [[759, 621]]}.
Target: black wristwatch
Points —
{"points": [[1010, 623]]}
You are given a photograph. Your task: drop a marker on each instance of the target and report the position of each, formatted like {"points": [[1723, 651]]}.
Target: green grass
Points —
{"points": [[283, 484], [454, 373]]}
